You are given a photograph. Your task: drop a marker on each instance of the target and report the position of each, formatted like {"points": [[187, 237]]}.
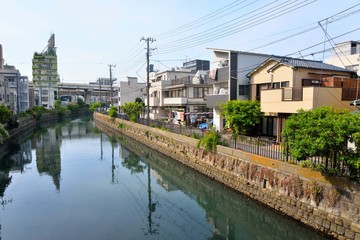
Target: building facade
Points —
{"points": [[196, 65], [45, 75], [284, 85], [178, 95], [14, 88], [346, 55], [229, 71], [129, 90]]}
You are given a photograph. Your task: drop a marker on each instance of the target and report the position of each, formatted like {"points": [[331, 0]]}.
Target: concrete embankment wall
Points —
{"points": [[26, 126], [330, 205]]}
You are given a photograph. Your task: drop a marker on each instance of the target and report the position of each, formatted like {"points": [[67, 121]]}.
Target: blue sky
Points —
{"points": [[91, 34]]}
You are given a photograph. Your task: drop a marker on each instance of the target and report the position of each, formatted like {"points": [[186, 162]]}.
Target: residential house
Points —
{"points": [[284, 85], [346, 55], [178, 94], [129, 90], [228, 73]]}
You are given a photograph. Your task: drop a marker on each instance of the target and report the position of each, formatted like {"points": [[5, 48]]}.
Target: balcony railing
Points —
{"points": [[223, 74], [184, 80], [292, 94], [179, 101]]}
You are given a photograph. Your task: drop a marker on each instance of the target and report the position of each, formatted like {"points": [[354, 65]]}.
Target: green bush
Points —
{"points": [[5, 114], [210, 140]]}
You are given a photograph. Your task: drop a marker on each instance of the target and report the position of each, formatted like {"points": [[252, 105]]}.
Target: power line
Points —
{"points": [[230, 31]]}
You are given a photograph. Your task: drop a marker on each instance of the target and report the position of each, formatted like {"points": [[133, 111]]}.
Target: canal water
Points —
{"points": [[72, 181]]}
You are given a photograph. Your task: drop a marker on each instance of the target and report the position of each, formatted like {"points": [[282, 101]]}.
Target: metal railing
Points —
{"points": [[260, 146]]}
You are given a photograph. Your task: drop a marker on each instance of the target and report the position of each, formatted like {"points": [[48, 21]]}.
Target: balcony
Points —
{"points": [[196, 101], [223, 74], [154, 101], [175, 101], [290, 100], [213, 100]]}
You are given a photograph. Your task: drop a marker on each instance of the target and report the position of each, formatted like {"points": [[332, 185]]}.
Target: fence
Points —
{"points": [[260, 146]]}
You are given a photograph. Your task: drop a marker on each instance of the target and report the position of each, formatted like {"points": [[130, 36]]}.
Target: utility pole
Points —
{"points": [[111, 83], [148, 40]]}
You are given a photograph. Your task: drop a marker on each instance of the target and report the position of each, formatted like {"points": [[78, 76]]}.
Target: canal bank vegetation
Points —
{"points": [[325, 134], [11, 123]]}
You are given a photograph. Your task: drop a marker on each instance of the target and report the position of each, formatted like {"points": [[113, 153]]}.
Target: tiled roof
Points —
{"points": [[305, 63]]}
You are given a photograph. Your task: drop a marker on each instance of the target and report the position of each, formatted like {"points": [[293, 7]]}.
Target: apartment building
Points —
{"points": [[230, 82], [196, 65], [284, 85], [14, 88], [346, 55], [129, 90], [45, 75], [179, 95]]}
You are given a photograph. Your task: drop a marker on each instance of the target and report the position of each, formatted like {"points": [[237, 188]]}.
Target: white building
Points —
{"points": [[129, 90], [229, 71], [179, 94], [346, 55]]}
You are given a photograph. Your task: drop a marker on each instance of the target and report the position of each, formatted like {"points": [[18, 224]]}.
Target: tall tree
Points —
{"points": [[241, 115]]}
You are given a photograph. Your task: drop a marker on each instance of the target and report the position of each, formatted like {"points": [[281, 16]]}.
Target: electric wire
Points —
{"points": [[230, 31]]}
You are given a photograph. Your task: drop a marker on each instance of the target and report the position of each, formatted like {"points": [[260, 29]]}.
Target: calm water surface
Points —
{"points": [[71, 181]]}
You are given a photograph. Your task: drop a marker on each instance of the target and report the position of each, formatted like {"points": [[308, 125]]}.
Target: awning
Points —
{"points": [[198, 113]]}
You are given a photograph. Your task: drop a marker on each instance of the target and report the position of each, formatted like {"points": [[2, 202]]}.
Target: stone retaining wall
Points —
{"points": [[330, 205]]}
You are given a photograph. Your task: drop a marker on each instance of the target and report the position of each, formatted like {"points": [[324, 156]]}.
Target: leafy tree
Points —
{"points": [[113, 112], [241, 115], [324, 132], [5, 114], [94, 106], [3, 134], [132, 109], [73, 107], [80, 102], [139, 100]]}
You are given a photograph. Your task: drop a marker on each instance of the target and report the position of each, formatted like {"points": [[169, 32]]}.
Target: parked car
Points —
{"points": [[203, 126], [355, 103]]}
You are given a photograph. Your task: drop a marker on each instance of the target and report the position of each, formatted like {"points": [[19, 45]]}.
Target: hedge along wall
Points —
{"points": [[330, 205]]}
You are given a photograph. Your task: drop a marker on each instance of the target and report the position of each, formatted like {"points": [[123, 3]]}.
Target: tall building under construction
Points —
{"points": [[45, 75]]}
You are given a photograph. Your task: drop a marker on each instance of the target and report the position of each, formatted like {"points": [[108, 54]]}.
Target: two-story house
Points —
{"points": [[228, 73], [284, 85]]}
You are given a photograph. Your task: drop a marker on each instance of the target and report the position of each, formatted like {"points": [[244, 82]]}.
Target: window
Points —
{"points": [[285, 84], [198, 92], [243, 90], [276, 85]]}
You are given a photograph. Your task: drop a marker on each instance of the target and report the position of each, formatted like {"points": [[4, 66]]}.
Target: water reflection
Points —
{"points": [[131, 192], [231, 215], [48, 156]]}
